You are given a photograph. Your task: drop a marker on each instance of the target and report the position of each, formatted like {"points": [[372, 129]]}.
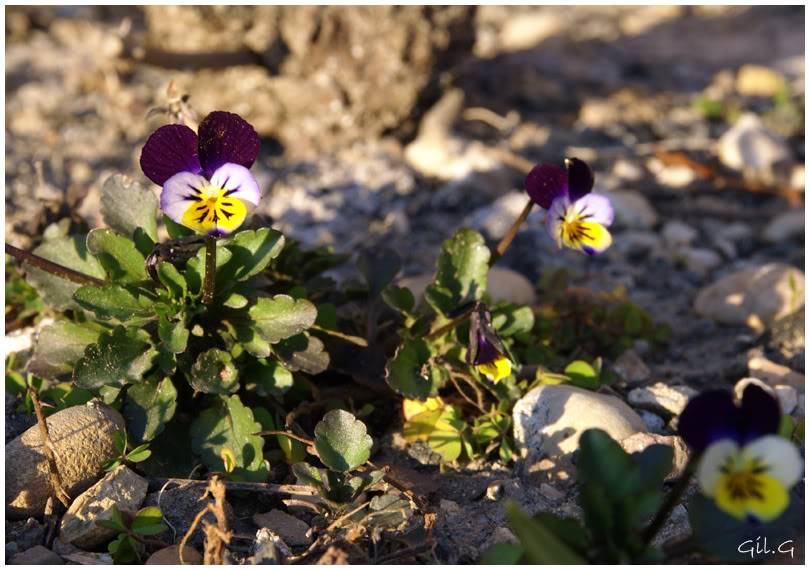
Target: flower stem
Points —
{"points": [[510, 235], [670, 503], [53, 268], [449, 326], [210, 269]]}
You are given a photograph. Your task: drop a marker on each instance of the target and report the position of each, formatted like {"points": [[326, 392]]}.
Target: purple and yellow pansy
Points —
{"points": [[485, 351], [207, 186], [745, 467], [575, 217]]}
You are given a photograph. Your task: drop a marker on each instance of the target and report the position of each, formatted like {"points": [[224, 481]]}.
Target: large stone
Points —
{"points": [[37, 556], [312, 89], [755, 295], [171, 555], [83, 440], [550, 418], [122, 488], [662, 397]]}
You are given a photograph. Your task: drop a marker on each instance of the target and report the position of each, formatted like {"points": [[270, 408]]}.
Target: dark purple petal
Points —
{"points": [[708, 417], [545, 183], [580, 178], [226, 137], [169, 150], [760, 413], [487, 352]]}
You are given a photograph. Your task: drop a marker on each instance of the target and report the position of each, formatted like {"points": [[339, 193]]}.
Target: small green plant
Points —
{"points": [[136, 455], [129, 546]]}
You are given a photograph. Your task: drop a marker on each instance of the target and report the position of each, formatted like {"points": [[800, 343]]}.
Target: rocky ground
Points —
{"points": [[709, 199]]}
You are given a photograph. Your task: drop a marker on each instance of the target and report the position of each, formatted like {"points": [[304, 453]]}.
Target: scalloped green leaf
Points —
{"points": [[282, 317], [342, 441], [148, 407], [113, 302], [121, 259], [59, 346], [303, 353], [120, 357], [214, 373], [174, 335], [409, 371], [172, 279], [461, 271], [252, 251]]}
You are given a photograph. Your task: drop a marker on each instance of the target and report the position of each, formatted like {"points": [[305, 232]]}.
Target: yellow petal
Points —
{"points": [[591, 237], [223, 213], [769, 501], [496, 370], [412, 407]]}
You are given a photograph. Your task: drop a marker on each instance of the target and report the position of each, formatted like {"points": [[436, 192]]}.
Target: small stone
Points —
{"points": [[675, 176], [171, 555], [450, 508], [736, 232], [678, 234], [494, 491], [654, 423], [637, 243], [37, 556], [83, 438], [785, 227], [269, 548], [754, 296], [774, 374], [788, 397], [292, 530], [627, 170], [750, 147], [680, 454], [701, 260], [122, 488], [551, 493], [632, 210], [631, 368], [759, 81], [662, 397], [549, 419]]}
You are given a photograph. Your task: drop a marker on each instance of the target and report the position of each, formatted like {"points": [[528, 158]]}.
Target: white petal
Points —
{"points": [[238, 179], [555, 216], [780, 457], [715, 456], [179, 192], [594, 208]]}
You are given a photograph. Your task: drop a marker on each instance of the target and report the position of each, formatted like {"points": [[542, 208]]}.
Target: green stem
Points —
{"points": [[53, 268], [671, 502], [210, 269], [502, 246]]}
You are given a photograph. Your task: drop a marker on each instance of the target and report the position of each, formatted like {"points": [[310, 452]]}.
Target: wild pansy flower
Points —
{"points": [[575, 218], [206, 182], [746, 468], [486, 351]]}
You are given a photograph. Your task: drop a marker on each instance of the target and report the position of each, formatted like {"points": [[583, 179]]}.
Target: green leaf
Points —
{"points": [[269, 378], [70, 252], [250, 340], [461, 271], [502, 554], [123, 550], [59, 346], [149, 521], [172, 279], [512, 319], [214, 373], [118, 254], [235, 301], [252, 250], [409, 373], [342, 441], [112, 302], [306, 474], [140, 453], [148, 407], [399, 298], [379, 267], [116, 520], [127, 205], [173, 335], [229, 424], [540, 545], [176, 230], [65, 395], [111, 464], [655, 463], [120, 441], [195, 267], [603, 460], [303, 353], [282, 317], [119, 357], [582, 374]]}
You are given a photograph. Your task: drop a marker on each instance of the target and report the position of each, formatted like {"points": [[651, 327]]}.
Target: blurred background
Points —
{"points": [[397, 125]]}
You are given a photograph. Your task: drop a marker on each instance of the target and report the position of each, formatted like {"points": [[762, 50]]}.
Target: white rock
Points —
{"points": [[662, 397], [122, 488], [632, 210], [19, 340], [788, 397], [549, 419], [678, 234], [755, 295], [496, 218], [751, 148], [774, 374], [627, 170], [675, 176], [785, 227], [502, 285]]}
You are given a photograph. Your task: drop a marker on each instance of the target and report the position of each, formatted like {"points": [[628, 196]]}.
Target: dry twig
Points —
{"points": [[49, 450]]}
